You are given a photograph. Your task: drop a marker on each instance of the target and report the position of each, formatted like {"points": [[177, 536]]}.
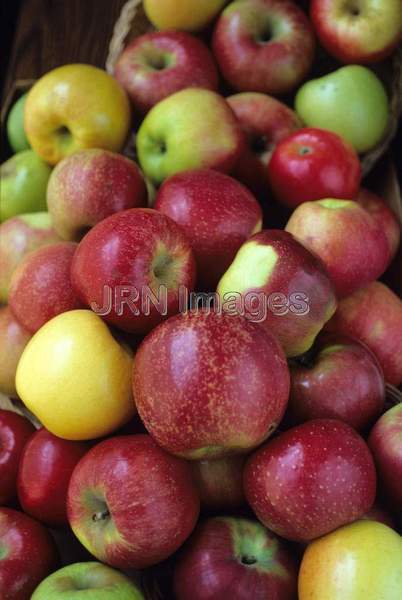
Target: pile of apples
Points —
{"points": [[204, 332]]}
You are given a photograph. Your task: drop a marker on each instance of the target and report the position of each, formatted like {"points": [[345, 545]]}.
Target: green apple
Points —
{"points": [[15, 126], [351, 101], [23, 181], [87, 581]]}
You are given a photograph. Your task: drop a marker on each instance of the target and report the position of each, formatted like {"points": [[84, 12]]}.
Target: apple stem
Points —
{"points": [[248, 560], [101, 516]]}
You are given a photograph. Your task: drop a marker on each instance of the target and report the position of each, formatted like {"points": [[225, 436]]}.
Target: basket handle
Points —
{"points": [[120, 32]]}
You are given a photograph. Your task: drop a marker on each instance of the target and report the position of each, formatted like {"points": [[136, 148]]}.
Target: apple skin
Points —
{"points": [[130, 503], [344, 102], [15, 126], [89, 186], [312, 164], [383, 215], [273, 263], [220, 482], [45, 468], [158, 64], [263, 45], [193, 408], [13, 339], [311, 479], [15, 431], [373, 315], [351, 244], [191, 129], [186, 15], [28, 554], [234, 558], [342, 380], [360, 33], [216, 213]]}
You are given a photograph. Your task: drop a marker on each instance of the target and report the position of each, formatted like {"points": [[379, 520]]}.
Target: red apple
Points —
{"points": [[222, 384], [312, 164], [130, 503], [383, 215], [216, 213], [89, 186], [311, 480], [374, 316], [348, 240], [158, 64], [220, 482], [15, 431], [128, 261], [263, 45], [340, 379], [234, 558], [13, 339], [46, 465], [27, 555], [40, 287]]}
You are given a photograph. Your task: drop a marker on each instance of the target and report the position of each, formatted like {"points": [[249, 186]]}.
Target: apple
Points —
{"points": [[76, 378], [74, 107], [361, 561], [351, 244], [341, 379], [220, 482], [158, 64], [311, 479], [128, 258], [23, 182], [350, 101], [216, 213], [234, 558], [312, 164], [15, 126], [373, 315], [191, 129], [130, 503], [13, 339], [186, 15], [27, 554], [283, 286], [263, 45], [222, 384], [45, 468], [383, 215], [359, 31]]}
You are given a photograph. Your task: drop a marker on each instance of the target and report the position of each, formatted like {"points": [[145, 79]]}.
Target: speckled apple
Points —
{"points": [[383, 215], [13, 339], [220, 482]]}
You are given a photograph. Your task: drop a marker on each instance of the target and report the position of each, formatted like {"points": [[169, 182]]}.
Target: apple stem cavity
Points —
{"points": [[248, 560], [101, 516]]}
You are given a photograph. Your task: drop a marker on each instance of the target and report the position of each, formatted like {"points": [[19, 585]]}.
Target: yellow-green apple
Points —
{"points": [[40, 287], [158, 64], [130, 503], [374, 316], [350, 101], [13, 339], [361, 561], [74, 107], [339, 379], [351, 244], [222, 385], [45, 469], [263, 45], [130, 267], [15, 126], [18, 236], [311, 479], [76, 378], [193, 128], [23, 182], [238, 558], [186, 15], [220, 482], [90, 185], [27, 554], [283, 286], [382, 213], [358, 31], [216, 212], [15, 431]]}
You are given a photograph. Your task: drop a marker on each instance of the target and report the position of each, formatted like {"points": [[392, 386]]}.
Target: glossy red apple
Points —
{"points": [[383, 215], [234, 558], [130, 503], [222, 384], [13, 339], [311, 480], [216, 213], [158, 64], [46, 465], [220, 482]]}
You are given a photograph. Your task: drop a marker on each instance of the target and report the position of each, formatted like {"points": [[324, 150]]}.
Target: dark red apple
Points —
{"points": [[220, 482], [386, 219]]}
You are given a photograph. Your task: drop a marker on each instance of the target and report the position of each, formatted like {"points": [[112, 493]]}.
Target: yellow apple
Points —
{"points": [[361, 561], [185, 15], [75, 107], [76, 378]]}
